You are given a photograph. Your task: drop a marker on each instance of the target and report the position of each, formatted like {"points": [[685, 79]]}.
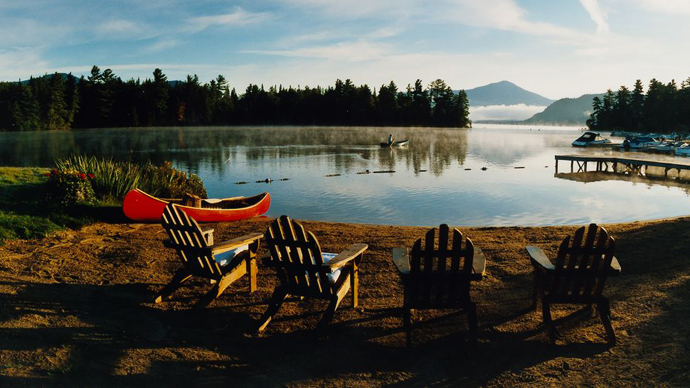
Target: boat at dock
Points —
{"points": [[140, 206], [641, 143], [589, 139], [683, 150]]}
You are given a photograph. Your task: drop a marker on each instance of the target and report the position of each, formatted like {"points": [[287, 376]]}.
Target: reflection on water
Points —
{"points": [[462, 177]]}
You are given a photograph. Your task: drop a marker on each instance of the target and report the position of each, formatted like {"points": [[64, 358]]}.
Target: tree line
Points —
{"points": [[102, 99], [664, 108]]}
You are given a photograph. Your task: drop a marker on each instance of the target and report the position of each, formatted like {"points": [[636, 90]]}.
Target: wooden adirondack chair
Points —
{"points": [[305, 271], [578, 276], [436, 276], [222, 263]]}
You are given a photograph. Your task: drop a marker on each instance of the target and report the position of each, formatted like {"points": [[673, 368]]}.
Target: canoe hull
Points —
{"points": [[401, 143], [139, 206]]}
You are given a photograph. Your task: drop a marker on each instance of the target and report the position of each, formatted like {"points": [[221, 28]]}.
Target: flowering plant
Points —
{"points": [[69, 186]]}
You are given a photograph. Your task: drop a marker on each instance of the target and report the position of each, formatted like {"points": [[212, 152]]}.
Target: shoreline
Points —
{"points": [[78, 309]]}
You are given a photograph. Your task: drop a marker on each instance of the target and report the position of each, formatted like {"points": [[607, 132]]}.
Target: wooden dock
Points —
{"points": [[631, 166]]}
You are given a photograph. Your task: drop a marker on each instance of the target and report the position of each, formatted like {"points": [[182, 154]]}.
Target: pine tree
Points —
{"points": [[637, 106]]}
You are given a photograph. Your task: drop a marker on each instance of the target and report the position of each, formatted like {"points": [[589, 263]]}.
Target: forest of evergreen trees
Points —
{"points": [[58, 102], [664, 108]]}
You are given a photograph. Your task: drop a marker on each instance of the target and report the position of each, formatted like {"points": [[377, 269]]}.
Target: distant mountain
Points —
{"points": [[46, 76], [504, 93], [566, 111]]}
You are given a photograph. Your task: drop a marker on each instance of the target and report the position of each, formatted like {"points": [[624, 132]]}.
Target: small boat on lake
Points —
{"points": [[589, 139], [140, 206], [400, 143]]}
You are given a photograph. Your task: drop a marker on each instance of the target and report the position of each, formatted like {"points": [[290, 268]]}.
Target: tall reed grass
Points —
{"points": [[113, 179]]}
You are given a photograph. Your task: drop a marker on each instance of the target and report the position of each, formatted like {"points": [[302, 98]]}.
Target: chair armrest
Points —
{"points": [[236, 242], [402, 260], [478, 264], [208, 235], [352, 252], [539, 257], [615, 267]]}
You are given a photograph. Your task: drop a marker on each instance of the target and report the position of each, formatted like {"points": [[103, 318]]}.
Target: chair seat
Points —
{"points": [[333, 276], [225, 258]]}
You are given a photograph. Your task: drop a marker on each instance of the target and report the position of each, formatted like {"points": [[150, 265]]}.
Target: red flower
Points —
{"points": [[54, 172], [48, 174], [90, 175], [82, 176]]}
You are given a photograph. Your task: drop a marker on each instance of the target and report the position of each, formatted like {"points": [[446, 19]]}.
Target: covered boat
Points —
{"points": [[139, 206], [400, 143], [590, 139], [640, 142], [683, 150]]}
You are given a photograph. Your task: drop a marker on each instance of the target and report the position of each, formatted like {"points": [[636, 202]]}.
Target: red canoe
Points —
{"points": [[139, 206]]}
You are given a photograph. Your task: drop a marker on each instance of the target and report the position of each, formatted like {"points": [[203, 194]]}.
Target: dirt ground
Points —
{"points": [[76, 310]]}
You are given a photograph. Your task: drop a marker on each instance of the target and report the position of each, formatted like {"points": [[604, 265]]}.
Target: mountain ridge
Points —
{"points": [[504, 93], [566, 111]]}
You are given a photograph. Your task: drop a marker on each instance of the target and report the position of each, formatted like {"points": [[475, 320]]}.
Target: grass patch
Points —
{"points": [[32, 206], [24, 213]]}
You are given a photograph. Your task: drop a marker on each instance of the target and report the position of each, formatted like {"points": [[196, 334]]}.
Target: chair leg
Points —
{"points": [[252, 269], [546, 311], [605, 313], [181, 276], [407, 325], [215, 292], [535, 291], [328, 315], [277, 300], [354, 284], [472, 319]]}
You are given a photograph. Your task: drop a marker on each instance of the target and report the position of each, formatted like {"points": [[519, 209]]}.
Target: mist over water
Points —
{"points": [[438, 178]]}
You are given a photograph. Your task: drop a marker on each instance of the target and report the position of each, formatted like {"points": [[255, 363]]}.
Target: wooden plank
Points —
{"points": [[401, 259], [428, 264], [440, 287]]}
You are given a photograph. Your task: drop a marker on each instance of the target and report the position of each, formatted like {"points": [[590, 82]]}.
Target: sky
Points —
{"points": [[557, 48]]}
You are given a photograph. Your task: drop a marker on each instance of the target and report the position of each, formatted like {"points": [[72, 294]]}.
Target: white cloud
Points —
{"points": [[508, 16], [123, 29], [343, 51], [161, 45], [597, 14], [21, 63], [675, 7], [354, 9], [24, 32], [238, 18]]}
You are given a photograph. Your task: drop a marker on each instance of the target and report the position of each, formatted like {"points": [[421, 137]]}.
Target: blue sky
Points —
{"points": [[554, 48]]}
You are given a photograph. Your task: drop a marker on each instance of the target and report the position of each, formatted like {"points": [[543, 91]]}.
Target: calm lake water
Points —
{"points": [[438, 178]]}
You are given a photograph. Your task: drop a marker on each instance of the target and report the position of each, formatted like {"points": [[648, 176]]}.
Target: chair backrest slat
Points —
{"points": [[296, 255], [582, 267], [186, 237], [432, 280]]}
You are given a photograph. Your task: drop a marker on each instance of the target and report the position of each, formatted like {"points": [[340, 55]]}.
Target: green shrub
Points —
{"points": [[70, 187]]}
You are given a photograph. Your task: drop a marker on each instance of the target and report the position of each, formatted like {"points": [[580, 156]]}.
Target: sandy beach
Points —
{"points": [[77, 311]]}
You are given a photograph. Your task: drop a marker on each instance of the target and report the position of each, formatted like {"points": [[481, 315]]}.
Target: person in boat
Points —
{"points": [[390, 139]]}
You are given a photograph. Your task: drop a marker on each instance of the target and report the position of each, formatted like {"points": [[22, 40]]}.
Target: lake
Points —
{"points": [[462, 177]]}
